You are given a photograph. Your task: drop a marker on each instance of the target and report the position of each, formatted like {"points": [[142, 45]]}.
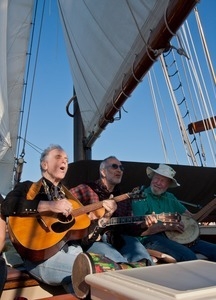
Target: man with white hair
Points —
{"points": [[159, 201], [43, 200]]}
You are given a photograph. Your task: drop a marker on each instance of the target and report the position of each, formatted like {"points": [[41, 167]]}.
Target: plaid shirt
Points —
{"points": [[95, 191]]}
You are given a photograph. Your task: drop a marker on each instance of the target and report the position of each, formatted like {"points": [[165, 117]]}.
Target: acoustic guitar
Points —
{"points": [[39, 236], [192, 231]]}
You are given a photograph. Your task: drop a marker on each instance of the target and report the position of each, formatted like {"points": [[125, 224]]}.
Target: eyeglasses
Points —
{"points": [[115, 167]]}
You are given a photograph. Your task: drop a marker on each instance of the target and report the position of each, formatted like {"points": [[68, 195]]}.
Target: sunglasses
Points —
{"points": [[115, 167]]}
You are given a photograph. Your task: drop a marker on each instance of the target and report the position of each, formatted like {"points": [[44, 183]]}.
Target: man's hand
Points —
{"points": [[174, 227], [110, 206], [58, 206], [149, 221], [159, 227]]}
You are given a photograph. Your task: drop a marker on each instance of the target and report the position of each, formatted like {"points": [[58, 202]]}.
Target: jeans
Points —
{"points": [[132, 251], [180, 252], [205, 248], [57, 269]]}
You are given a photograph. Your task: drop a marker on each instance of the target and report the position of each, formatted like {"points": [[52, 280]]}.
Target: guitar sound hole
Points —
{"points": [[59, 227], [64, 219]]}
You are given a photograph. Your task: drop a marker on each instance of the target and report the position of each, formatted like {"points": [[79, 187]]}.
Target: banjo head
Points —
{"points": [[190, 234]]}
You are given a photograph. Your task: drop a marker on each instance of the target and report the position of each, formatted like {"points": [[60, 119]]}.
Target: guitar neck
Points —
{"points": [[125, 220], [164, 217], [94, 206], [205, 211]]}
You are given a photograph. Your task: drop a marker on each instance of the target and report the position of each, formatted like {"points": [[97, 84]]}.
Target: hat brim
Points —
{"points": [[150, 173]]}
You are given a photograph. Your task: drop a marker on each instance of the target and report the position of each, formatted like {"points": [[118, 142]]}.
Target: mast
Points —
{"points": [[81, 152]]}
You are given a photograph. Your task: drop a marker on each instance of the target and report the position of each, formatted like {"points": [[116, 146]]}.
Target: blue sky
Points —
{"points": [[134, 138]]}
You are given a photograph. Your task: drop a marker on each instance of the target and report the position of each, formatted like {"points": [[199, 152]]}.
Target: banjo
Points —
{"points": [[192, 230], [190, 234]]}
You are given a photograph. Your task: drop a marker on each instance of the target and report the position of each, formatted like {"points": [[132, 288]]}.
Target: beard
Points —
{"points": [[157, 191]]}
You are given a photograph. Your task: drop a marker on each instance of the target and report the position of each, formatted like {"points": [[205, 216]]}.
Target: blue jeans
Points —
{"points": [[132, 251], [205, 248], [57, 269], [180, 252]]}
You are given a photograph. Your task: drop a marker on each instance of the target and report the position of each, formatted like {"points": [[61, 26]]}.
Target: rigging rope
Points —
{"points": [[158, 118], [25, 86], [177, 112], [206, 51], [34, 73], [200, 82], [19, 162], [183, 96], [200, 90], [191, 97], [166, 118], [198, 102]]}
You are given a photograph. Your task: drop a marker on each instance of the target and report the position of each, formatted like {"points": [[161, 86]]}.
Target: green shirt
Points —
{"points": [[164, 203]]}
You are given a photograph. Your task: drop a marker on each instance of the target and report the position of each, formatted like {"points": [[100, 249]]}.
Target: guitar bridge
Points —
{"points": [[43, 224]]}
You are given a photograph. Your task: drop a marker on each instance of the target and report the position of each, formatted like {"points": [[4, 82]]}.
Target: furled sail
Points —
{"points": [[111, 45], [15, 22]]}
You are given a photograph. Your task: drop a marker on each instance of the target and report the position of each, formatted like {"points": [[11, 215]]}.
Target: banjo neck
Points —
{"points": [[205, 211]]}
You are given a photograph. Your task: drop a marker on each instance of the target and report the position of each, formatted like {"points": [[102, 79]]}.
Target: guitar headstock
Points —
{"points": [[137, 193], [169, 217]]}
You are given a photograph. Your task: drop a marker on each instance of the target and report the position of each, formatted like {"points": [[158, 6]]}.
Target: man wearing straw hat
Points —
{"points": [[173, 239]]}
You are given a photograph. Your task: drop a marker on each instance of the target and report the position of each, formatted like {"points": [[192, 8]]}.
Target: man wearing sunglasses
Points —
{"points": [[117, 242]]}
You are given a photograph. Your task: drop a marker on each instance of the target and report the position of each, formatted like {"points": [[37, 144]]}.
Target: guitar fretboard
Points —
{"points": [[125, 220], [164, 217]]}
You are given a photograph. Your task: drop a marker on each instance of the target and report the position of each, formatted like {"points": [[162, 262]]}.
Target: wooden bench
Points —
{"points": [[21, 284], [17, 278]]}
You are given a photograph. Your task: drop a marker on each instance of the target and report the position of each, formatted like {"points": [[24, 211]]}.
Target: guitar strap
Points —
{"points": [[36, 186], [34, 189]]}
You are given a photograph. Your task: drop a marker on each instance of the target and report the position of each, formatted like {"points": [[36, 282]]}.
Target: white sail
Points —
{"points": [[15, 23], [104, 39], [108, 42]]}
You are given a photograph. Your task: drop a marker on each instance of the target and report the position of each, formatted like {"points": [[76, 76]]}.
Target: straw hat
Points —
{"points": [[163, 170]]}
